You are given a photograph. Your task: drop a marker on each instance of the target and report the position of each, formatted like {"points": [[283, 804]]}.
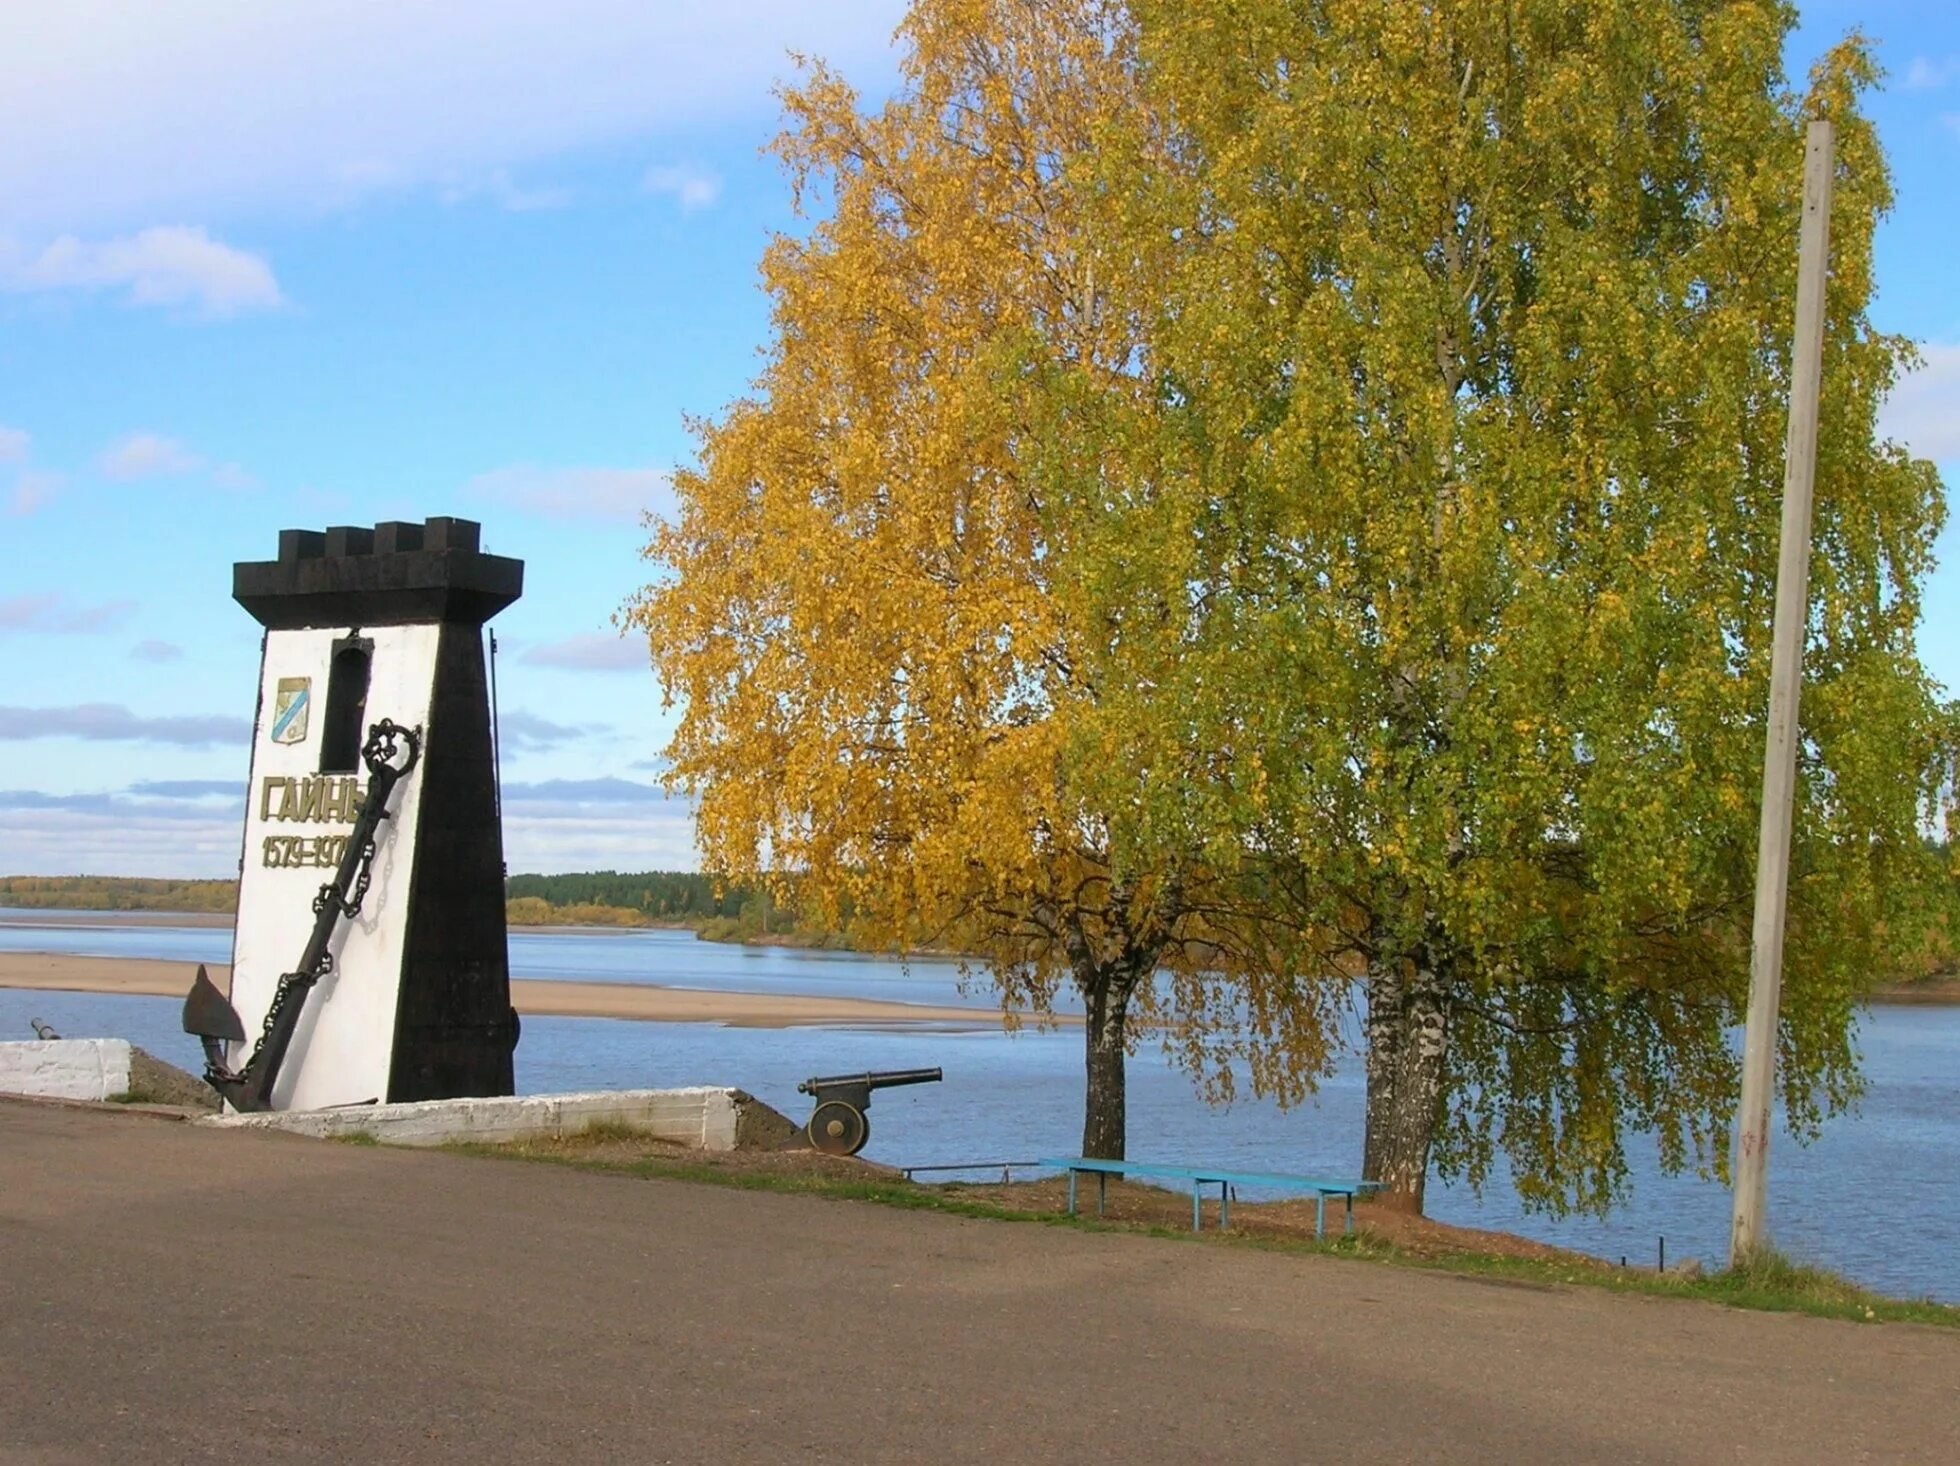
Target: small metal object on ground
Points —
{"points": [[838, 1125], [1006, 1168]]}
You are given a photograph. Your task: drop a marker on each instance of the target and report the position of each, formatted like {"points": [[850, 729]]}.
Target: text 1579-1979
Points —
{"points": [[287, 852]]}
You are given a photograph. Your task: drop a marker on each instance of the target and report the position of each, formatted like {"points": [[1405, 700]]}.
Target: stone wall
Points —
{"points": [[710, 1119], [66, 1068]]}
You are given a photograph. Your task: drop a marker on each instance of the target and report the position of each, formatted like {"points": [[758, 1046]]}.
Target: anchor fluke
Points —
{"points": [[209, 1016], [208, 1013]]}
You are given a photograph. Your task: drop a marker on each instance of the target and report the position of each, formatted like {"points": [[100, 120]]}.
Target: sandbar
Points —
{"points": [[55, 920], [151, 977]]}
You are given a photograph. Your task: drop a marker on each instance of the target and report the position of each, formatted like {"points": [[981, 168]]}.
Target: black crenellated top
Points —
{"points": [[394, 574]]}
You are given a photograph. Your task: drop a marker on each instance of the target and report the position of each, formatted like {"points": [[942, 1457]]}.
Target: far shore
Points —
{"points": [[1932, 990], [53, 920], [1928, 991], [146, 977]]}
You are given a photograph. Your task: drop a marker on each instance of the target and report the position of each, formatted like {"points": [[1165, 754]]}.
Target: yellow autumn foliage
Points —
{"points": [[855, 603]]}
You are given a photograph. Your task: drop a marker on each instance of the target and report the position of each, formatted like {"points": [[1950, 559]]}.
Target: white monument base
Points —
{"points": [[66, 1068], [708, 1119]]}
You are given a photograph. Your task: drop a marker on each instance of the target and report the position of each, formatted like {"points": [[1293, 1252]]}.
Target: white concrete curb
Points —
{"points": [[66, 1068], [702, 1117]]}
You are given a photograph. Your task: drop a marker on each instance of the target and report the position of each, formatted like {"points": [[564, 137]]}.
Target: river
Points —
{"points": [[1876, 1197]]}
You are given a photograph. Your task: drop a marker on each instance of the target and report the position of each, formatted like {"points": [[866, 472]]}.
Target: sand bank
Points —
{"points": [[32, 920], [81, 920], [1942, 990], [145, 977]]}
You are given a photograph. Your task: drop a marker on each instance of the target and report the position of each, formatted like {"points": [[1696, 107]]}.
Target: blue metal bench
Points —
{"points": [[1203, 1176]]}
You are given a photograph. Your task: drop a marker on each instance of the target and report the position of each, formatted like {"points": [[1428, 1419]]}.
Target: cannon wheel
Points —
{"points": [[838, 1127]]}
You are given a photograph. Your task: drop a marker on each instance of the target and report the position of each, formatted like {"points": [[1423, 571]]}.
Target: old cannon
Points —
{"points": [[837, 1125]]}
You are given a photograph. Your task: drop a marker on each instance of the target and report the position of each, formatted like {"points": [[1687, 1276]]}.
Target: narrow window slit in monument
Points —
{"points": [[347, 692]]}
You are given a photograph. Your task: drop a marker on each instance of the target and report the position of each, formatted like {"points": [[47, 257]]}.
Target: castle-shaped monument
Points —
{"points": [[370, 959]]}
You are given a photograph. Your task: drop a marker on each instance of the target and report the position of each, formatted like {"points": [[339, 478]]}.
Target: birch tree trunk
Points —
{"points": [[1407, 1030], [1106, 993]]}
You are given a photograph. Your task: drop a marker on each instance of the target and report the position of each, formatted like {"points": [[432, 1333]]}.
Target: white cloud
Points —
{"points": [[102, 722], [31, 490], [189, 827], [131, 838], [51, 613], [1929, 73], [117, 114], [1923, 411], [597, 824], [574, 493], [170, 265], [231, 476], [519, 730], [13, 445], [607, 790], [27, 613], [500, 190], [596, 652], [173, 827], [146, 455], [691, 187]]}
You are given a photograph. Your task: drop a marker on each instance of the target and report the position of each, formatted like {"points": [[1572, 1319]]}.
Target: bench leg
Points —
{"points": [[1197, 1216], [1071, 1193], [1102, 1192], [1350, 1216], [1224, 1205], [1319, 1215]]}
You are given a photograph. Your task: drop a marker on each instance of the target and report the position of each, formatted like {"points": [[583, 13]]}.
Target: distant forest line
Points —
{"points": [[116, 893], [714, 909]]}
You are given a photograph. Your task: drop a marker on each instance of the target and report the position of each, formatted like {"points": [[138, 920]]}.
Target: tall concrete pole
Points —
{"points": [[1785, 681]]}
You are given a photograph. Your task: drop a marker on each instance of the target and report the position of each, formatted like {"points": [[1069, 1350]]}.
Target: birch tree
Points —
{"points": [[855, 603], [1441, 584]]}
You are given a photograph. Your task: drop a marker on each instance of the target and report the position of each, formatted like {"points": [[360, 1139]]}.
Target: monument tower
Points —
{"points": [[370, 959]]}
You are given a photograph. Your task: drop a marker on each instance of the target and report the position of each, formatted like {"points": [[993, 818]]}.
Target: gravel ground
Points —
{"points": [[173, 1293]]}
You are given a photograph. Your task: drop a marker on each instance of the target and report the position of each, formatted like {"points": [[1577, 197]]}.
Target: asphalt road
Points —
{"points": [[175, 1294]]}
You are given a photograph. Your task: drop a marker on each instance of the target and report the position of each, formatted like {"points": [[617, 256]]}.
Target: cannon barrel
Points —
{"points": [[874, 1079]]}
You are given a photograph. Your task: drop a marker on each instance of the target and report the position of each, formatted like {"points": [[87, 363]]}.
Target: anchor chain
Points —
{"points": [[386, 741]]}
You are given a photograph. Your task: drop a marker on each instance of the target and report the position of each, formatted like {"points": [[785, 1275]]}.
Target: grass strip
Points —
{"points": [[1768, 1282]]}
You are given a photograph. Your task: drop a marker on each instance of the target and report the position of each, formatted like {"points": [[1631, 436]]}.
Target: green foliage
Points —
{"points": [[536, 911], [117, 893], [662, 895], [1299, 485], [1436, 573], [856, 599], [715, 910], [1766, 1278]]}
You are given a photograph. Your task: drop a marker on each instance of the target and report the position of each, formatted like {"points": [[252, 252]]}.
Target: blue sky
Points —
{"points": [[332, 262]]}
